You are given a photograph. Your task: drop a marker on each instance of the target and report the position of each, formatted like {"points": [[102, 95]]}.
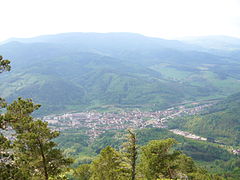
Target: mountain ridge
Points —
{"points": [[111, 69]]}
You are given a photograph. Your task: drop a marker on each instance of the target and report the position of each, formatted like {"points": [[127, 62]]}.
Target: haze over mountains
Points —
{"points": [[215, 42], [80, 71]]}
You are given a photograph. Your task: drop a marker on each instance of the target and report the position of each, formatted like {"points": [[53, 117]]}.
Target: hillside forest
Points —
{"points": [[131, 94]]}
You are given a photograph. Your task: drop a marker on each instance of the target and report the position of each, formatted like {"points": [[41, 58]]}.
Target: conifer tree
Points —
{"points": [[32, 154], [130, 149], [157, 159], [4, 64], [35, 152], [83, 172], [7, 168], [109, 165]]}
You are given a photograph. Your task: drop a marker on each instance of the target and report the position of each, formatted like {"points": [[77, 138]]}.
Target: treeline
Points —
{"points": [[78, 145], [212, 157], [155, 160]]}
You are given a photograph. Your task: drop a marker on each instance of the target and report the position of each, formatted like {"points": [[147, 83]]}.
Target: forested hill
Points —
{"points": [[221, 122], [81, 71]]}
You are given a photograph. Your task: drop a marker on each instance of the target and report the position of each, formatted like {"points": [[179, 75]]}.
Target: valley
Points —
{"points": [[92, 87], [120, 90], [96, 123], [93, 123]]}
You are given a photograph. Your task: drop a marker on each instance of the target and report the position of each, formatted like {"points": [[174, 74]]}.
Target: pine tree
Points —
{"points": [[130, 150], [109, 165], [7, 167], [35, 152], [32, 154], [4, 64], [157, 159], [83, 172]]}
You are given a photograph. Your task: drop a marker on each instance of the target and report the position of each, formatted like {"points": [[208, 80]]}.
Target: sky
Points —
{"points": [[169, 19]]}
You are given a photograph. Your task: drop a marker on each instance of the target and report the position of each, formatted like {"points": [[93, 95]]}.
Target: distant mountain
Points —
{"points": [[105, 41], [215, 42], [80, 71]]}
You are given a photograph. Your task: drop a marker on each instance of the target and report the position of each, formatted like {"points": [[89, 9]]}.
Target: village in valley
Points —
{"points": [[96, 123]]}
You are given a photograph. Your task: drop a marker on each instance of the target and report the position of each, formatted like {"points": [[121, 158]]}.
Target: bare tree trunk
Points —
{"points": [[43, 160]]}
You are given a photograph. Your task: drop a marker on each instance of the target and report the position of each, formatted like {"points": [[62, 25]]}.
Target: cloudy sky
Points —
{"points": [[159, 18]]}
